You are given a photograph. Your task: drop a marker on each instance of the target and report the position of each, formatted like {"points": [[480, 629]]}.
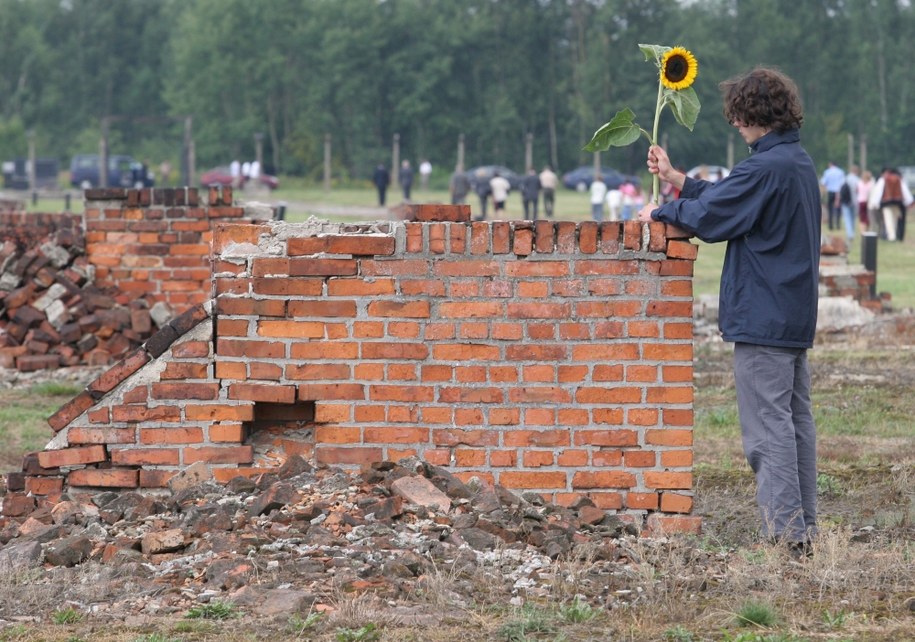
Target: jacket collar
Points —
{"points": [[774, 138]]}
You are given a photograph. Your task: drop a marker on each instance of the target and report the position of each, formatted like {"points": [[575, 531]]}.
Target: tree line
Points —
{"points": [[293, 71]]}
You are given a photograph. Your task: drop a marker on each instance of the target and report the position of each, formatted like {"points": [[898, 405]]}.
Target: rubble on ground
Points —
{"points": [[293, 539]]}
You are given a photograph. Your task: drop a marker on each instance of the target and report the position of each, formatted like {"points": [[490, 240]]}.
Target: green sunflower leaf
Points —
{"points": [[654, 52], [685, 106], [619, 132]]}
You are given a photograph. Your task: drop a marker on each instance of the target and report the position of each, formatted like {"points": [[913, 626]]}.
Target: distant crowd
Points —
{"points": [[858, 199]]}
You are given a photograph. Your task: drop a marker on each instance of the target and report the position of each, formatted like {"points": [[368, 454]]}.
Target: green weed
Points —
{"points": [[530, 619], [678, 634], [756, 614], [367, 633], [298, 625], [215, 610], [577, 611], [68, 615]]}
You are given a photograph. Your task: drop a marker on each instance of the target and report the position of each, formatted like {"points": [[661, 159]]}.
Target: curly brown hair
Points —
{"points": [[763, 97]]}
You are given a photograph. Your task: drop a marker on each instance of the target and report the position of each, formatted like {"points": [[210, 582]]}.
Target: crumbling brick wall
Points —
{"points": [[154, 244], [553, 357]]}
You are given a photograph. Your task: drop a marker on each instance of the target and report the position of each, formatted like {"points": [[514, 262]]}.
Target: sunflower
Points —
{"points": [[678, 68]]}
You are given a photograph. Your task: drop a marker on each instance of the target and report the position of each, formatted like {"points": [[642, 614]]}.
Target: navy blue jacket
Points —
{"points": [[768, 210]]}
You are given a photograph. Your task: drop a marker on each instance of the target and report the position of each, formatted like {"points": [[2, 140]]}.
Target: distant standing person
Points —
{"points": [[425, 171], [865, 185], [165, 173], [235, 173], [459, 186], [530, 194], [482, 189], [548, 183], [598, 194], [405, 179], [381, 178], [500, 188], [832, 180]]}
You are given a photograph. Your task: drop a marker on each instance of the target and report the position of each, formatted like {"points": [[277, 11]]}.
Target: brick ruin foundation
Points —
{"points": [[553, 357]]}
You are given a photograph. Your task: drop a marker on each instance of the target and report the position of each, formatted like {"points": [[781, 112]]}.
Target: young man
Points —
{"points": [[768, 211]]}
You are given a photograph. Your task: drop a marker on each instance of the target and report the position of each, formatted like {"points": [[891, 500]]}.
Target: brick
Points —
{"points": [[603, 479], [644, 501], [107, 478], [145, 457], [639, 458], [76, 456], [657, 240], [665, 480], [17, 505], [316, 267], [669, 437], [136, 413], [219, 454], [250, 307], [607, 458], [662, 525], [156, 478], [219, 412], [537, 458], [682, 250], [358, 287], [166, 436], [176, 391], [677, 458], [429, 212], [399, 435], [331, 391], [263, 392], [401, 309], [44, 485], [227, 433], [676, 503], [321, 308], [532, 480], [71, 410], [388, 351], [175, 370], [102, 435], [341, 455]]}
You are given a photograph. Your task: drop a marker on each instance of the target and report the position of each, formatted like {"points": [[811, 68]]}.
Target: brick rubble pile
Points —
{"points": [[53, 315]]}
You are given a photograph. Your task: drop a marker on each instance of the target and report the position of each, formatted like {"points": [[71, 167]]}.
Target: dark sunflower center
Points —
{"points": [[676, 68]]}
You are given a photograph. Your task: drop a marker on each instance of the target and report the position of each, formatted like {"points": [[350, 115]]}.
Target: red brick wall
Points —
{"points": [[550, 356], [154, 244], [554, 357]]}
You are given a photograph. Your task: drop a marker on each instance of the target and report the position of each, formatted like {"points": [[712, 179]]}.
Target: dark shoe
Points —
{"points": [[797, 550]]}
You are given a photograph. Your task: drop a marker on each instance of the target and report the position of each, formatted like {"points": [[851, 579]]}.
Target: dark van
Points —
{"points": [[123, 171]]}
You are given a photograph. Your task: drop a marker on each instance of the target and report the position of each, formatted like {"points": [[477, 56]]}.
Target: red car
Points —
{"points": [[223, 176]]}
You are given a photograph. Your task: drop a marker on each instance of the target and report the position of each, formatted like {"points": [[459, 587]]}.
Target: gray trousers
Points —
{"points": [[779, 437]]}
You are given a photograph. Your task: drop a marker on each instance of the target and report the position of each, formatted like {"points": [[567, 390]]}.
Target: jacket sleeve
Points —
{"points": [[718, 211]]}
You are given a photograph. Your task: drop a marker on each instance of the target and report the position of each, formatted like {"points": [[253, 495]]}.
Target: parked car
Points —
{"points": [[16, 173], [222, 176], [123, 171], [581, 178], [711, 173], [484, 173]]}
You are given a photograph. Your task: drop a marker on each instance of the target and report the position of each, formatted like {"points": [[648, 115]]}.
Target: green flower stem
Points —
{"points": [[656, 180]]}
